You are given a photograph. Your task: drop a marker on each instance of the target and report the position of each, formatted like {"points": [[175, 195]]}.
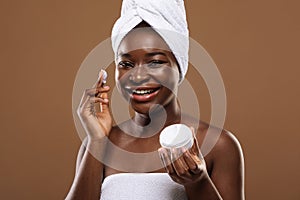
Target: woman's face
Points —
{"points": [[146, 70]]}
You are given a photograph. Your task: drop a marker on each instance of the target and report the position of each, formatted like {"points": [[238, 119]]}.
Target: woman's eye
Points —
{"points": [[126, 64], [156, 63]]}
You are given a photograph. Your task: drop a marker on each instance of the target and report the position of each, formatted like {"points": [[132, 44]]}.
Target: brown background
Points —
{"points": [[254, 43]]}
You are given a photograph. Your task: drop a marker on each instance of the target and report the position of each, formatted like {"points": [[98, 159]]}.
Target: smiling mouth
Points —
{"points": [[144, 91]]}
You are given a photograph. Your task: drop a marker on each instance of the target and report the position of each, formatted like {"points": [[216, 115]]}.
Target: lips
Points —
{"points": [[143, 94]]}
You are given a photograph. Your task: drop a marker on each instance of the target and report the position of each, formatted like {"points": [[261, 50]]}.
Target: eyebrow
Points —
{"points": [[128, 55], [155, 53]]}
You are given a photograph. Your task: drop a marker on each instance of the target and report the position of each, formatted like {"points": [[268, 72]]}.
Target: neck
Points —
{"points": [[170, 114]]}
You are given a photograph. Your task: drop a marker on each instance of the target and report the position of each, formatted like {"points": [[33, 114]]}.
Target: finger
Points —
{"points": [[105, 88], [97, 91], [92, 92], [195, 151], [90, 105], [195, 148], [161, 156], [84, 99], [166, 160], [99, 104], [98, 100], [104, 107], [99, 81], [93, 102], [189, 160], [101, 92], [180, 166], [192, 162]]}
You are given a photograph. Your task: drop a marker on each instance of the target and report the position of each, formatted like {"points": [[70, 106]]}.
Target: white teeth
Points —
{"points": [[142, 91]]}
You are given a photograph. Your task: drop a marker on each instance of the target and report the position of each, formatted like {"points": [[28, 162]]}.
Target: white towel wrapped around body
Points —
{"points": [[166, 17], [141, 186]]}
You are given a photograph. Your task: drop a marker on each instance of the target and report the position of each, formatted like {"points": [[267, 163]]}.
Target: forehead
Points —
{"points": [[142, 38]]}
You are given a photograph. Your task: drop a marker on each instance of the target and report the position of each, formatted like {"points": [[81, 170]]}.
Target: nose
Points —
{"points": [[139, 74]]}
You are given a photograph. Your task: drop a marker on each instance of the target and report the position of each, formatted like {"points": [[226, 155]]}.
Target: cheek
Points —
{"points": [[120, 79], [119, 76], [168, 77]]}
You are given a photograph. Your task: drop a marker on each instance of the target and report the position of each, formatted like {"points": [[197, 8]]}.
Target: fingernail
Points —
{"points": [[174, 150], [162, 151]]}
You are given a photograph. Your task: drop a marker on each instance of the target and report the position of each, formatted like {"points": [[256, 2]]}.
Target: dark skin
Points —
{"points": [[145, 60]]}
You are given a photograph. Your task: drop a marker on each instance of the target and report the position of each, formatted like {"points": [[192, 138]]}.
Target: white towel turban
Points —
{"points": [[166, 17]]}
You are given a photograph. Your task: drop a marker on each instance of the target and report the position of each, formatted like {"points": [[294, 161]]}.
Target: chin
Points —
{"points": [[147, 108], [142, 108]]}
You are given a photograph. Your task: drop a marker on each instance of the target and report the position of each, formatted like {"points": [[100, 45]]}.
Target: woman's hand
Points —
{"points": [[93, 110], [186, 167]]}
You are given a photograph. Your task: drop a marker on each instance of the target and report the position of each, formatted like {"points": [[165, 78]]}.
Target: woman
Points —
{"points": [[148, 72]]}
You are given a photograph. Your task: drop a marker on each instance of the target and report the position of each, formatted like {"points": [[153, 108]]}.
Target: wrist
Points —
{"points": [[203, 188], [204, 180], [96, 140]]}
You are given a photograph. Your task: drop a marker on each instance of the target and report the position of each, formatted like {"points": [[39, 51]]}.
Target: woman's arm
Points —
{"points": [[228, 167], [89, 169], [89, 173], [202, 190], [227, 177]]}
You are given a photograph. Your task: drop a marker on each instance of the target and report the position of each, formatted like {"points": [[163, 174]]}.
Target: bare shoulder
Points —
{"points": [[212, 139], [225, 161], [227, 144], [218, 143]]}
